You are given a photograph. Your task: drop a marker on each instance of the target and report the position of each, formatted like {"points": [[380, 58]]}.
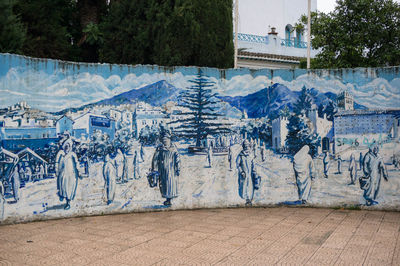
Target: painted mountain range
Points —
{"points": [[269, 101], [156, 94], [266, 102]]}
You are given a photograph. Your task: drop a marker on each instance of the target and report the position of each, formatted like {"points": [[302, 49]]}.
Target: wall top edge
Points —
{"points": [[174, 68]]}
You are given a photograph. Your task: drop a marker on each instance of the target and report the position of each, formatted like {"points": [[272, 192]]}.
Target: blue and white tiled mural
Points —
{"points": [[80, 139]]}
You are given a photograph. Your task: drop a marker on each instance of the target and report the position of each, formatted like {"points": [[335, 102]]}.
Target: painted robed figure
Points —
{"points": [[247, 173], [110, 178], [67, 174], [166, 163], [304, 171], [374, 169]]}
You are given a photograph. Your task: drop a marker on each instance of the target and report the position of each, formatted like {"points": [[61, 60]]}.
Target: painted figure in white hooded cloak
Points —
{"points": [[68, 174], [352, 169], [15, 181], [304, 171], [110, 178], [121, 165]]}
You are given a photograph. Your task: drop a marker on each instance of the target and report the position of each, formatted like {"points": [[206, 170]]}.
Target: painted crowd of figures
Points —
{"points": [[371, 165], [166, 169]]}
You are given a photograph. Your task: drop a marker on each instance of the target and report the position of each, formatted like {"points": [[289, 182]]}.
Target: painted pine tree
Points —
{"points": [[201, 117], [300, 128], [304, 103], [300, 133]]}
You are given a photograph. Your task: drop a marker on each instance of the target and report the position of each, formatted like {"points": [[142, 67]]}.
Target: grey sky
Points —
{"points": [[327, 6], [252, 20]]}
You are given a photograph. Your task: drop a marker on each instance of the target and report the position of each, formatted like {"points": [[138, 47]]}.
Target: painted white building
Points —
{"points": [[7, 121], [85, 125], [267, 37], [320, 125], [21, 115], [279, 133], [147, 117], [323, 127], [64, 124], [19, 106], [357, 129], [114, 114], [127, 117], [345, 101]]}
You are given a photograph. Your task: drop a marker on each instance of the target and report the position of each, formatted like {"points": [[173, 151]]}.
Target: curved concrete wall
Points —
{"points": [[86, 139]]}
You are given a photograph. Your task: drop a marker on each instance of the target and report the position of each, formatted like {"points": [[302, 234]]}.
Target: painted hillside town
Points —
{"points": [[194, 140]]}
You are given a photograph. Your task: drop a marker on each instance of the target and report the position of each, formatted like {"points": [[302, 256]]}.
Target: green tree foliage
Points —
{"points": [[12, 31], [93, 34], [50, 27], [358, 33], [175, 33], [214, 44], [170, 32], [89, 13], [126, 32]]}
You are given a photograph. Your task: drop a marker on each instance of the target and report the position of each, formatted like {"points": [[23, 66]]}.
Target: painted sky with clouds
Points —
{"points": [[54, 89]]}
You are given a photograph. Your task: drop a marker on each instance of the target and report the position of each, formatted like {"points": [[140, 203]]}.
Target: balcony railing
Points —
{"points": [[264, 39], [293, 43], [251, 38]]}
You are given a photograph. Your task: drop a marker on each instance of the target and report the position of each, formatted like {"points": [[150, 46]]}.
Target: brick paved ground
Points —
{"points": [[251, 236]]}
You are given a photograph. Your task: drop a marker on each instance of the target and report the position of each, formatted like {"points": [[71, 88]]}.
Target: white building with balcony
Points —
{"points": [[267, 37]]}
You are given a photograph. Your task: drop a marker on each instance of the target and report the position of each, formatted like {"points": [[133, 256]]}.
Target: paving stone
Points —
{"points": [[243, 236], [324, 256], [299, 254]]}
